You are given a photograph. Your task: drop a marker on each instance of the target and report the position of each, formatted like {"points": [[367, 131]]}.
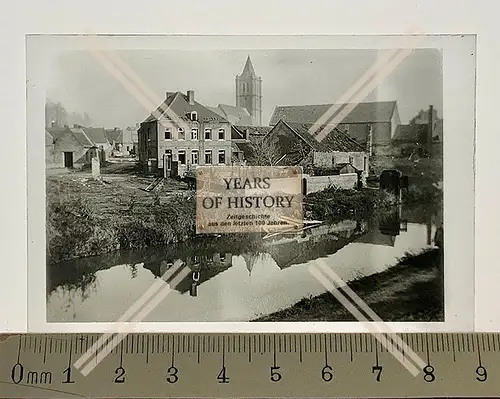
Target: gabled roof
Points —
{"points": [[114, 135], [233, 114], [369, 112], [49, 139], [248, 70], [179, 105], [56, 132], [82, 137], [336, 140], [96, 134], [254, 130]]}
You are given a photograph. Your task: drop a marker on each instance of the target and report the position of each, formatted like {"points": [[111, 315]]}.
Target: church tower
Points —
{"points": [[249, 92]]}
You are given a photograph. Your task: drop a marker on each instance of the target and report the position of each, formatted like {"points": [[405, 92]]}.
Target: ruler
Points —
{"points": [[250, 365]]}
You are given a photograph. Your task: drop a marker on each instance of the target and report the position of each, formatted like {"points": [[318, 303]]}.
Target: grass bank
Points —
{"points": [[86, 217], [412, 290], [335, 205]]}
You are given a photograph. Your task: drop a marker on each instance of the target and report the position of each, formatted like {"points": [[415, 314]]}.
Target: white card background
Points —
{"points": [[219, 17]]}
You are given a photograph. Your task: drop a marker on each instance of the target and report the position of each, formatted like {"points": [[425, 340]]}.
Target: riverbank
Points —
{"points": [[87, 217], [412, 290]]}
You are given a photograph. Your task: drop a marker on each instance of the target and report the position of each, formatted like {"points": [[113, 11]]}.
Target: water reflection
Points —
{"points": [[231, 278]]}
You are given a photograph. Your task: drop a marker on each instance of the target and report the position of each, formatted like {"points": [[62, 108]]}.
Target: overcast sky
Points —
{"points": [[290, 77]]}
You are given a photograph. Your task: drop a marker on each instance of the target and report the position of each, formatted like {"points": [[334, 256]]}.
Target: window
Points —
{"points": [[222, 157], [194, 157], [168, 134], [364, 164], [222, 257], [180, 134], [182, 157], [168, 152], [208, 157], [346, 128], [194, 133], [351, 159], [208, 134], [193, 116], [222, 134]]}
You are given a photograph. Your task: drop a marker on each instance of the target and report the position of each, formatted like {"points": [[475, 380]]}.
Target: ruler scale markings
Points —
{"points": [[488, 336], [274, 351], [479, 353], [350, 346], [250, 349], [172, 356], [427, 349], [326, 353], [294, 343], [147, 348], [300, 348], [453, 345], [466, 339], [44, 350], [198, 342], [496, 343], [330, 342]]}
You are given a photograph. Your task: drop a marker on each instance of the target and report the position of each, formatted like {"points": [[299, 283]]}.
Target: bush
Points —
{"points": [[74, 230]]}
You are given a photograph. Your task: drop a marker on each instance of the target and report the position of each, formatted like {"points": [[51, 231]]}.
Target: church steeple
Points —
{"points": [[249, 92], [248, 70]]}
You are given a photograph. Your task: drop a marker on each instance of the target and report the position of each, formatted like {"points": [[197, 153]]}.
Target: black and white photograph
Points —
{"points": [[125, 130]]}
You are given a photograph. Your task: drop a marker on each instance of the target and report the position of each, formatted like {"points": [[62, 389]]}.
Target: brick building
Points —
{"points": [[182, 134]]}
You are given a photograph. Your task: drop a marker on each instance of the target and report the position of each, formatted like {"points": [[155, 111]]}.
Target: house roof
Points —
{"points": [[82, 137], [179, 105], [114, 135], [96, 134], [336, 140], [49, 139], [56, 132], [254, 130], [369, 112], [239, 115]]}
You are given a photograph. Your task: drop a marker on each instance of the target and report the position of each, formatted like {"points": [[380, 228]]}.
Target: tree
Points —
{"points": [[264, 152]]}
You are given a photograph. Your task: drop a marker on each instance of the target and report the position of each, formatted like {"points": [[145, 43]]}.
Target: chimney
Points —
{"points": [[138, 125], [247, 134], [190, 96], [168, 94]]}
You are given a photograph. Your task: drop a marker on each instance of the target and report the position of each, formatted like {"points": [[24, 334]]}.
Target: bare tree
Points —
{"points": [[264, 152]]}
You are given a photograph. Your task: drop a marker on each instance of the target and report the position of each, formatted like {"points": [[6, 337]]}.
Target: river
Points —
{"points": [[216, 279]]}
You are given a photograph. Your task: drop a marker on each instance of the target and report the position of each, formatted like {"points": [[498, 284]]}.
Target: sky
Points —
{"points": [[289, 77]]}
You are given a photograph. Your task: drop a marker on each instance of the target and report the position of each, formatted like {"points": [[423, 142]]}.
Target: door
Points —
{"points": [[68, 159]]}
